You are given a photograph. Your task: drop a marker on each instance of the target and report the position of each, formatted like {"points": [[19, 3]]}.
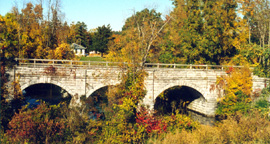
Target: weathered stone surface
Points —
{"points": [[82, 81]]}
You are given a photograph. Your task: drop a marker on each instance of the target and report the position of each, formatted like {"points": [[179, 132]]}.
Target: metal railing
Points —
{"points": [[76, 63]]}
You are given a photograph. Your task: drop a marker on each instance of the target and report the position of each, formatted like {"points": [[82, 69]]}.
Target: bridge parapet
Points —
{"points": [[86, 64]]}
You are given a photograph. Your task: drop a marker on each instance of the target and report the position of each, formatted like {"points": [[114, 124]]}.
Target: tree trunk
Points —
{"points": [[269, 35], [248, 32]]}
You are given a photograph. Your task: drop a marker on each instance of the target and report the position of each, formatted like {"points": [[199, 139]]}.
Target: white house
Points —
{"points": [[78, 49]]}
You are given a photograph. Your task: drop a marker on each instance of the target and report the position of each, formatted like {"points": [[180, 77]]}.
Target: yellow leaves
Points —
{"points": [[239, 80], [238, 60], [41, 53], [63, 52], [127, 104], [2, 20]]}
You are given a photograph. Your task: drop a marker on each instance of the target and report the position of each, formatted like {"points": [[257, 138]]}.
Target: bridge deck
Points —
{"points": [[85, 64]]}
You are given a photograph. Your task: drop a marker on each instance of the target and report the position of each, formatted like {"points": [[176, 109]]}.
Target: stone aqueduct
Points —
{"points": [[84, 78]]}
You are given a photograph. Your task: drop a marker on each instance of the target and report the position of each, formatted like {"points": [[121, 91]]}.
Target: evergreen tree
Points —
{"points": [[101, 39], [219, 30], [191, 32], [81, 34]]}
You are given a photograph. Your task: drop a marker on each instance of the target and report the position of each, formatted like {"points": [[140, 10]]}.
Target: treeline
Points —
{"points": [[33, 33], [199, 32], [195, 32]]}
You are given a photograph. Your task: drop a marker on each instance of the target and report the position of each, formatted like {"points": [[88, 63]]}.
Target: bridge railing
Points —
{"points": [[65, 63], [76, 63], [189, 66]]}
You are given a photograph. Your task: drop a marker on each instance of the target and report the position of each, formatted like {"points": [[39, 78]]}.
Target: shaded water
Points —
{"points": [[202, 119], [48, 93], [96, 102], [178, 98], [53, 94]]}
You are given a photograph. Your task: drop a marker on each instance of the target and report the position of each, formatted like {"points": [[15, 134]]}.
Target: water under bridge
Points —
{"points": [[85, 77]]}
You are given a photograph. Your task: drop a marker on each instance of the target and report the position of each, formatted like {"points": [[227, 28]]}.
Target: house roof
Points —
{"points": [[76, 46]]}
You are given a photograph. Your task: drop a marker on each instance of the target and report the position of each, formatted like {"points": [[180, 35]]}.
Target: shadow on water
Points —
{"points": [[202, 118], [96, 102], [172, 99], [177, 99], [50, 93]]}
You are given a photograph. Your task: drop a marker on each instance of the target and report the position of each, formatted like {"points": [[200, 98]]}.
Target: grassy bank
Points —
{"points": [[96, 58]]}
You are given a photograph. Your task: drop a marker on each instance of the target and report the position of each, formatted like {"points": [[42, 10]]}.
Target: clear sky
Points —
{"points": [[96, 13]]}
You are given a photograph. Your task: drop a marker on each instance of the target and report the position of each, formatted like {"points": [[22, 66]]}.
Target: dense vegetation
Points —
{"points": [[195, 32]]}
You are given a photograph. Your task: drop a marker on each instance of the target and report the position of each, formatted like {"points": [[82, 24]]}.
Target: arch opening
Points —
{"points": [[174, 99], [50, 93], [97, 102]]}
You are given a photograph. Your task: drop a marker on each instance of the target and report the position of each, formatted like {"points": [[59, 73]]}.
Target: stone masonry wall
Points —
{"points": [[82, 81]]}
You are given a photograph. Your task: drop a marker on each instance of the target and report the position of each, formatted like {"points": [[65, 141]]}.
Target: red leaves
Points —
{"points": [[3, 47], [231, 69], [188, 125], [150, 122], [35, 124], [131, 95]]}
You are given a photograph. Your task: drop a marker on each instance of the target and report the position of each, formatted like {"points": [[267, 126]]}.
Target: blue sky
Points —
{"points": [[96, 13]]}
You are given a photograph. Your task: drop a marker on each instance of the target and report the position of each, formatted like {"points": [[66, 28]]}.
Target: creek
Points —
{"points": [[202, 119], [48, 93], [53, 94]]}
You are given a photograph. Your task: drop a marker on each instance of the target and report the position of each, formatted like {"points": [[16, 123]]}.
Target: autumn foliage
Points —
{"points": [[237, 88], [151, 123], [36, 125], [194, 32]]}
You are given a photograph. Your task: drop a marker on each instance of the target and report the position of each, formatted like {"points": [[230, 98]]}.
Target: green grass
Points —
{"points": [[92, 59]]}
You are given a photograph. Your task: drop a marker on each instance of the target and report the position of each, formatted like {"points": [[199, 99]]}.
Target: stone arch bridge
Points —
{"points": [[83, 78]]}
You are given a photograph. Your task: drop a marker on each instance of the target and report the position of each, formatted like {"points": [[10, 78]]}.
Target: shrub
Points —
{"points": [[265, 92], [37, 125], [239, 102], [179, 121], [237, 86], [253, 128], [120, 124], [235, 129], [151, 123]]}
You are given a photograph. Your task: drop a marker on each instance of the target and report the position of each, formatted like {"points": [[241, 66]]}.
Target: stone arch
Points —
{"points": [[187, 93], [193, 86], [96, 88], [26, 85]]}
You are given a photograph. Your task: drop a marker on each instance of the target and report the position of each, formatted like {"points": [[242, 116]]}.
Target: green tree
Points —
{"points": [[81, 34], [205, 31], [219, 31], [78, 34], [101, 39], [191, 32]]}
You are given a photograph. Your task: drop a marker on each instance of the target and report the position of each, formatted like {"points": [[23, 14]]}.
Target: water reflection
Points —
{"points": [[48, 93]]}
